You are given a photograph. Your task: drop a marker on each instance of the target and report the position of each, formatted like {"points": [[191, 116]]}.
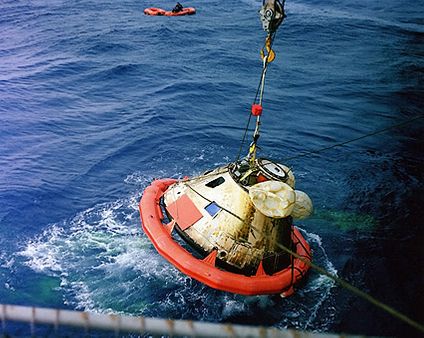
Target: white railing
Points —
{"points": [[140, 325]]}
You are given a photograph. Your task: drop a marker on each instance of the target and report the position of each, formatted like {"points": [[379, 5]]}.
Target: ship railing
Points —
{"points": [[120, 325]]}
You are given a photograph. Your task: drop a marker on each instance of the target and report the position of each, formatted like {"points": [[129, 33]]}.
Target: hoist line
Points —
{"points": [[244, 136], [259, 92]]}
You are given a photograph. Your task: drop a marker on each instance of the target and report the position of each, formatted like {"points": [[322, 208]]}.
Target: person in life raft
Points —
{"points": [[178, 8]]}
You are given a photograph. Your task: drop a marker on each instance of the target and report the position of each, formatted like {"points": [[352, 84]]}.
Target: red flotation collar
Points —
{"points": [[205, 270]]}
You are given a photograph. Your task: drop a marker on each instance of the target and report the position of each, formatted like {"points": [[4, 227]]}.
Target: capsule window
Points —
{"points": [[216, 182], [212, 209]]}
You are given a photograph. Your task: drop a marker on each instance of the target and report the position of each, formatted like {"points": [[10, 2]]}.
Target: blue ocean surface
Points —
{"points": [[97, 100]]}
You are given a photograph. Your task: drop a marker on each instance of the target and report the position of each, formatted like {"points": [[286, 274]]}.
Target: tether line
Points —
{"points": [[355, 290], [316, 151]]}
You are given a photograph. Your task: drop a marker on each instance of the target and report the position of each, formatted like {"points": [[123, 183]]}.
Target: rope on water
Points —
{"points": [[356, 291], [319, 150]]}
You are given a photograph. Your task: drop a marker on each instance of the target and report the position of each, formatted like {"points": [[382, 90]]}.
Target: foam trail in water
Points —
{"points": [[99, 250]]}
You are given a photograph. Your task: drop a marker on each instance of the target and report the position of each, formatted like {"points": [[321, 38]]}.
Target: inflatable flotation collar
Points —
{"points": [[204, 270], [160, 11]]}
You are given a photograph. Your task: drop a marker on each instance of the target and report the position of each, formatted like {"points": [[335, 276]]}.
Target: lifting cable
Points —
{"points": [[272, 15], [257, 103], [256, 109]]}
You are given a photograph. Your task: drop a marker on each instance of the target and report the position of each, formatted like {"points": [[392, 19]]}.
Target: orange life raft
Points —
{"points": [[204, 270], [160, 11]]}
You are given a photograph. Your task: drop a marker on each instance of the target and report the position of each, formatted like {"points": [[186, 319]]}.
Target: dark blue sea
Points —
{"points": [[97, 100]]}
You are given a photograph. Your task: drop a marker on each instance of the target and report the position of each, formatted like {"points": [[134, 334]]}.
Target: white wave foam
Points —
{"points": [[41, 254], [101, 252], [232, 307], [320, 283], [6, 261]]}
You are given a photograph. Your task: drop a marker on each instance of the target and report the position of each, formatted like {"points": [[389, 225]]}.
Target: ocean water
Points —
{"points": [[97, 100]]}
